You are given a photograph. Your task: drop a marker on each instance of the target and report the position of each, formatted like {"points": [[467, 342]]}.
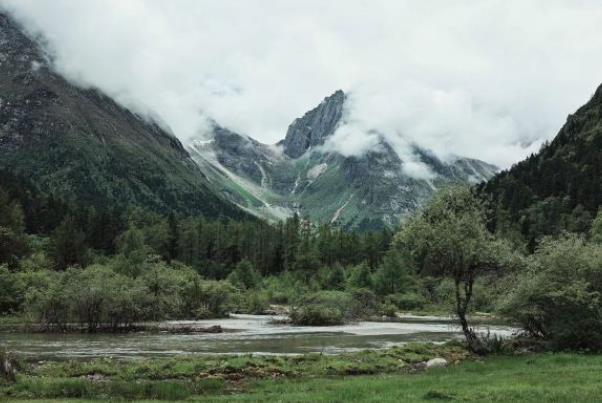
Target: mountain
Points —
{"points": [[299, 175], [82, 147], [559, 188]]}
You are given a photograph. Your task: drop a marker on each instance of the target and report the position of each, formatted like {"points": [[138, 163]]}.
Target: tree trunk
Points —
{"points": [[463, 296], [7, 369]]}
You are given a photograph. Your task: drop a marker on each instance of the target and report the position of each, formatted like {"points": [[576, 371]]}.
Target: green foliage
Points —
{"points": [[244, 276], [254, 302], [394, 275], [559, 188], [98, 297], [389, 310], [408, 301], [68, 244], [12, 236], [560, 297], [359, 276], [336, 306], [334, 277], [596, 229], [321, 308], [316, 315], [450, 239], [12, 289]]}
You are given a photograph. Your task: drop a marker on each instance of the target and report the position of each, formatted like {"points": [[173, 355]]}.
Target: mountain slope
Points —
{"points": [[81, 146], [298, 174], [560, 188]]}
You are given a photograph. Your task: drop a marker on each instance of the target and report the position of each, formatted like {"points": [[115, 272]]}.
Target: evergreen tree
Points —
{"points": [[68, 242]]}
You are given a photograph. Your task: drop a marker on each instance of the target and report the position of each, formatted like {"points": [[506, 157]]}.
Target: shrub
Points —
{"points": [[389, 310], [408, 301], [255, 303], [244, 276], [315, 315], [360, 277], [560, 297], [336, 306], [49, 303], [283, 289], [394, 275], [12, 291], [363, 303], [334, 278]]}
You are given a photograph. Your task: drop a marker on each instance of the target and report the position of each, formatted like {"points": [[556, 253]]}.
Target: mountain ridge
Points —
{"points": [[80, 145], [298, 174]]}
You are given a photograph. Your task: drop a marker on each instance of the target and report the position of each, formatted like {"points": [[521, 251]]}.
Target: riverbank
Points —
{"points": [[185, 376], [392, 375]]}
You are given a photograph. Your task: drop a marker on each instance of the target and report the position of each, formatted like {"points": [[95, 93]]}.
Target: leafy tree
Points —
{"points": [[163, 286], [450, 239]]}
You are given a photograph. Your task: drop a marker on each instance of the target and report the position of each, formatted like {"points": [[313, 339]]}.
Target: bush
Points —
{"points": [[315, 315], [360, 277], [97, 296], [394, 275], [336, 306], [560, 297], [12, 290], [363, 303], [283, 289], [244, 276], [333, 277], [256, 303], [408, 301], [389, 310]]}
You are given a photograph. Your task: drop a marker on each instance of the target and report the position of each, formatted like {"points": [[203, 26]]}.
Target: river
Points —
{"points": [[256, 334]]}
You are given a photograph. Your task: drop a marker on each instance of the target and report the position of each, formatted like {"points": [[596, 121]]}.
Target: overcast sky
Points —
{"points": [[484, 79]]}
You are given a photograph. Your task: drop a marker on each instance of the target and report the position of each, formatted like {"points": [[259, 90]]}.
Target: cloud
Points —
{"points": [[490, 79]]}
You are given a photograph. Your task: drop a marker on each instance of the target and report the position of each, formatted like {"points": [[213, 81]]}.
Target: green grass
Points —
{"points": [[542, 378], [559, 377]]}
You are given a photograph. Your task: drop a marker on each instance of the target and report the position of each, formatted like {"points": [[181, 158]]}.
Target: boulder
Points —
{"points": [[436, 363]]}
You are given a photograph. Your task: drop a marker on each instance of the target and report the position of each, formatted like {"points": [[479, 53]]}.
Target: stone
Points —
{"points": [[436, 363]]}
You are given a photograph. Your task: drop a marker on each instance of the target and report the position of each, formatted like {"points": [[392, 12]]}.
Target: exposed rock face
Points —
{"points": [[81, 146], [312, 129], [365, 192]]}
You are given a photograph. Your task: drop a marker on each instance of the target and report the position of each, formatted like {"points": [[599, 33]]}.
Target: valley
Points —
{"points": [[361, 257]]}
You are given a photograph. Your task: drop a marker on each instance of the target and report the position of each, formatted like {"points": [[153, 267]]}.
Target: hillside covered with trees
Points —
{"points": [[559, 188]]}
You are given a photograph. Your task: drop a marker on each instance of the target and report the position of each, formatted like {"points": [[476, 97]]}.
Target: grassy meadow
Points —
{"points": [[373, 376]]}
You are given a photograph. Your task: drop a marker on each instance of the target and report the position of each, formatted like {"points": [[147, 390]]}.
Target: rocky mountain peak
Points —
{"points": [[315, 126], [17, 50]]}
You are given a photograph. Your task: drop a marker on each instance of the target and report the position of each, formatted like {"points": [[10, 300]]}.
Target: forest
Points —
{"points": [[68, 268]]}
